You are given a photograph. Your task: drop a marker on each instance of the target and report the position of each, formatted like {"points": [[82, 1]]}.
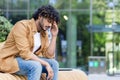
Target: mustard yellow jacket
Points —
{"points": [[20, 43]]}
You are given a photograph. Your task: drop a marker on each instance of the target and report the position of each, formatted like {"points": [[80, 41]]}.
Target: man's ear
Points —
{"points": [[40, 17]]}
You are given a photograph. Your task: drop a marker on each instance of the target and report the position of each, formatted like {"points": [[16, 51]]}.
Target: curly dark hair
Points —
{"points": [[47, 12]]}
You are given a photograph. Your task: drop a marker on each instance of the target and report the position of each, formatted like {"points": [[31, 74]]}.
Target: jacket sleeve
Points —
{"points": [[45, 49], [20, 33]]}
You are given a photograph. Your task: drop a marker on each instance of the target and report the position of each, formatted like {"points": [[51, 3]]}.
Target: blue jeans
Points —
{"points": [[33, 69]]}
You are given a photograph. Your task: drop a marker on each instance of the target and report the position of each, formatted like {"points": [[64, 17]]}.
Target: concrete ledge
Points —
{"points": [[63, 75], [72, 75]]}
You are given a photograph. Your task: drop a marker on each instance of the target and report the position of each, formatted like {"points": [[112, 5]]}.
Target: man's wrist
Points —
{"points": [[54, 36], [46, 64]]}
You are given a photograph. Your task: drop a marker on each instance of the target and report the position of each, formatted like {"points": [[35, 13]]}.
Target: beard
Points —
{"points": [[41, 25]]}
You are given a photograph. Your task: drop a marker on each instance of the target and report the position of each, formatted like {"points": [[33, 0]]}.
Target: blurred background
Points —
{"points": [[89, 32]]}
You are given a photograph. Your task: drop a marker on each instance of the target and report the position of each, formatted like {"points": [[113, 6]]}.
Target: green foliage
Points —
{"points": [[5, 27], [99, 4], [97, 20], [99, 39]]}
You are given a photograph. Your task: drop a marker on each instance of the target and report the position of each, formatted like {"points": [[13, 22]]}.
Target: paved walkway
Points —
{"points": [[103, 77]]}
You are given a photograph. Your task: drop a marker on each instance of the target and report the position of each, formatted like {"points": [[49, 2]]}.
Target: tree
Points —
{"points": [[5, 27]]}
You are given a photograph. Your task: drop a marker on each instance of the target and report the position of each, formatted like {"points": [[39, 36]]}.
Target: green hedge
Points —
{"points": [[5, 27]]}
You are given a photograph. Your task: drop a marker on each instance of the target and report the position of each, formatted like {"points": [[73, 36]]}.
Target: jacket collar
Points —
{"points": [[34, 27]]}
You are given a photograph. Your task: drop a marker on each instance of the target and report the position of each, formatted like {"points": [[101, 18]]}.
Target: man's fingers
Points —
{"points": [[50, 75]]}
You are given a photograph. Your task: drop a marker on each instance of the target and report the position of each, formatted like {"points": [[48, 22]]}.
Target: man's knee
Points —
{"points": [[35, 66], [55, 64]]}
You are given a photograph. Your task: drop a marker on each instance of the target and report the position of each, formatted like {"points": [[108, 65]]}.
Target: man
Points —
{"points": [[28, 49]]}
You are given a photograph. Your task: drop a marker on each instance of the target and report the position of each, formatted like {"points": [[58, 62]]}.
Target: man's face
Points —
{"points": [[44, 23]]}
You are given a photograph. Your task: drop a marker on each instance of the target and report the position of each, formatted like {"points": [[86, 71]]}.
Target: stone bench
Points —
{"points": [[63, 75]]}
